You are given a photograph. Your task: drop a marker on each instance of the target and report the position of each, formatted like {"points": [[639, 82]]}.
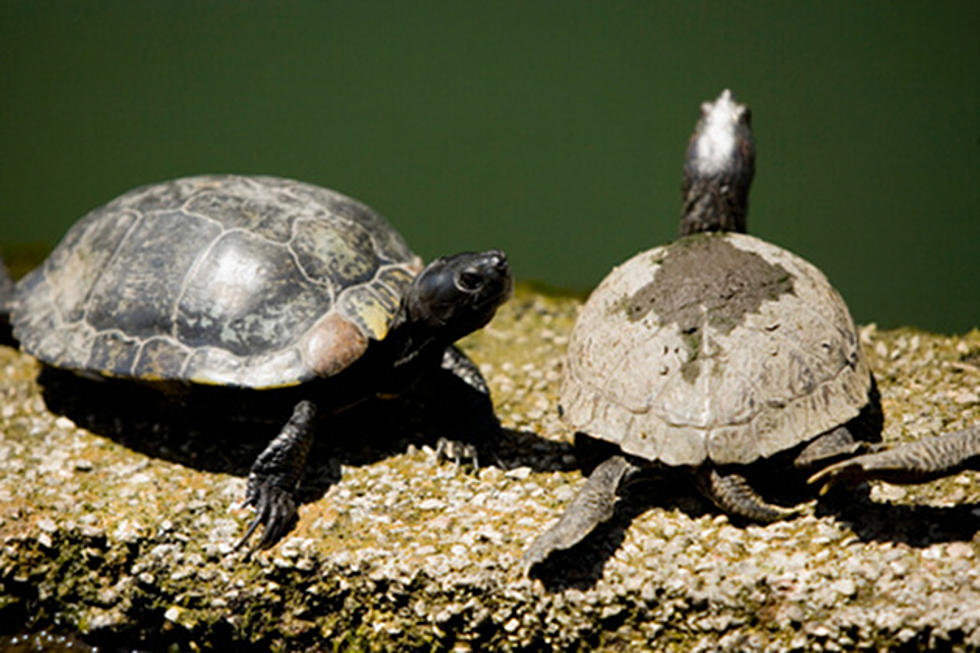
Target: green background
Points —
{"points": [[554, 130]]}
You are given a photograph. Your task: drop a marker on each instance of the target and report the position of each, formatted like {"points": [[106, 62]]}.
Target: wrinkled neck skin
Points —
{"points": [[715, 203], [413, 340], [410, 347]]}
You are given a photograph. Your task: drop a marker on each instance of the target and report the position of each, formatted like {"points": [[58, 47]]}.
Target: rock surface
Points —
{"points": [[124, 534]]}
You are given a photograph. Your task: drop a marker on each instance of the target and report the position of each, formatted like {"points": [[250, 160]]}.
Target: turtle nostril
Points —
{"points": [[498, 259]]}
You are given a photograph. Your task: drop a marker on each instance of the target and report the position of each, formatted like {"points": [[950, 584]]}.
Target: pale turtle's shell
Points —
{"points": [[716, 347], [222, 279]]}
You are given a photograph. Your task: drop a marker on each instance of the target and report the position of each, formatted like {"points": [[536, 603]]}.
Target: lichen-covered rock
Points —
{"points": [[128, 540]]}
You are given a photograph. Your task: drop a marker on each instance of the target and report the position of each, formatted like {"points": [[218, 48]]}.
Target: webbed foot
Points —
{"points": [[274, 476]]}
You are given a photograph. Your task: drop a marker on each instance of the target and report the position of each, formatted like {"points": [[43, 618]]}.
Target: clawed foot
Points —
{"points": [[457, 451], [275, 508], [850, 472], [732, 492], [274, 477], [914, 462]]}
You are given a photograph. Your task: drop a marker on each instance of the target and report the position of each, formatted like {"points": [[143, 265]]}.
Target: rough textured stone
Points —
{"points": [[122, 537]]}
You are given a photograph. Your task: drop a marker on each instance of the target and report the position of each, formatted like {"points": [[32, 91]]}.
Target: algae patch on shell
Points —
{"points": [[705, 276], [705, 281]]}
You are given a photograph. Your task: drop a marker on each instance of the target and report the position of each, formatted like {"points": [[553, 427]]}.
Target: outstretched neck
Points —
{"points": [[453, 296], [412, 342], [711, 205], [398, 361], [718, 169]]}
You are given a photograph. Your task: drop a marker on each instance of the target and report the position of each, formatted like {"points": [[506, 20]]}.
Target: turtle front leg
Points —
{"points": [[733, 494], [460, 365], [471, 411], [274, 476], [915, 462], [593, 505]]}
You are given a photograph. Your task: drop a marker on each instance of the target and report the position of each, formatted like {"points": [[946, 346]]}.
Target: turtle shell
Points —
{"points": [[719, 347], [232, 280]]}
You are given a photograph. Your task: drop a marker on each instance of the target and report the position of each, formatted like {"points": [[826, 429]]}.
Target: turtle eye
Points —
{"points": [[469, 281]]}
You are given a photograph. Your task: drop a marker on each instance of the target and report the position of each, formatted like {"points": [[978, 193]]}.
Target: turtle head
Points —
{"points": [[456, 295], [719, 167]]}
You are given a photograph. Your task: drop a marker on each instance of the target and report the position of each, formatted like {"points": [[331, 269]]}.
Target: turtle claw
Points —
{"points": [[457, 451], [274, 476], [732, 493], [275, 509], [846, 472]]}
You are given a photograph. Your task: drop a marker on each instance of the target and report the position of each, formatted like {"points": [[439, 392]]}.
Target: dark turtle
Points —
{"points": [[258, 283], [720, 353]]}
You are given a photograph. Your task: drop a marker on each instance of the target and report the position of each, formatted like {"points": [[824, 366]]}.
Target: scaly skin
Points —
{"points": [[593, 505], [733, 494], [914, 462], [274, 476]]}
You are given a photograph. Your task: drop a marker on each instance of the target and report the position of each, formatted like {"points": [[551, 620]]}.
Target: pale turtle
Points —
{"points": [[257, 283], [720, 352]]}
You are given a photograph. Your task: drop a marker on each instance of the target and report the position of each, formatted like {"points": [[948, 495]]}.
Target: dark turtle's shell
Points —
{"points": [[717, 347], [249, 281]]}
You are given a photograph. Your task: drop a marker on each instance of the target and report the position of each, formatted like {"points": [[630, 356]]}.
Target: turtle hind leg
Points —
{"points": [[274, 476], [593, 505], [915, 462], [860, 435], [733, 494], [828, 447]]}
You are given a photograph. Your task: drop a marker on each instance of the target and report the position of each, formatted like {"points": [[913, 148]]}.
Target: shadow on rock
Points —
{"points": [[582, 565], [528, 449], [218, 430], [6, 335], [913, 525], [223, 430]]}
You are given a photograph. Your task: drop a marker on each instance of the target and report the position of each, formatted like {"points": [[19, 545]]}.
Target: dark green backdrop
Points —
{"points": [[554, 130]]}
